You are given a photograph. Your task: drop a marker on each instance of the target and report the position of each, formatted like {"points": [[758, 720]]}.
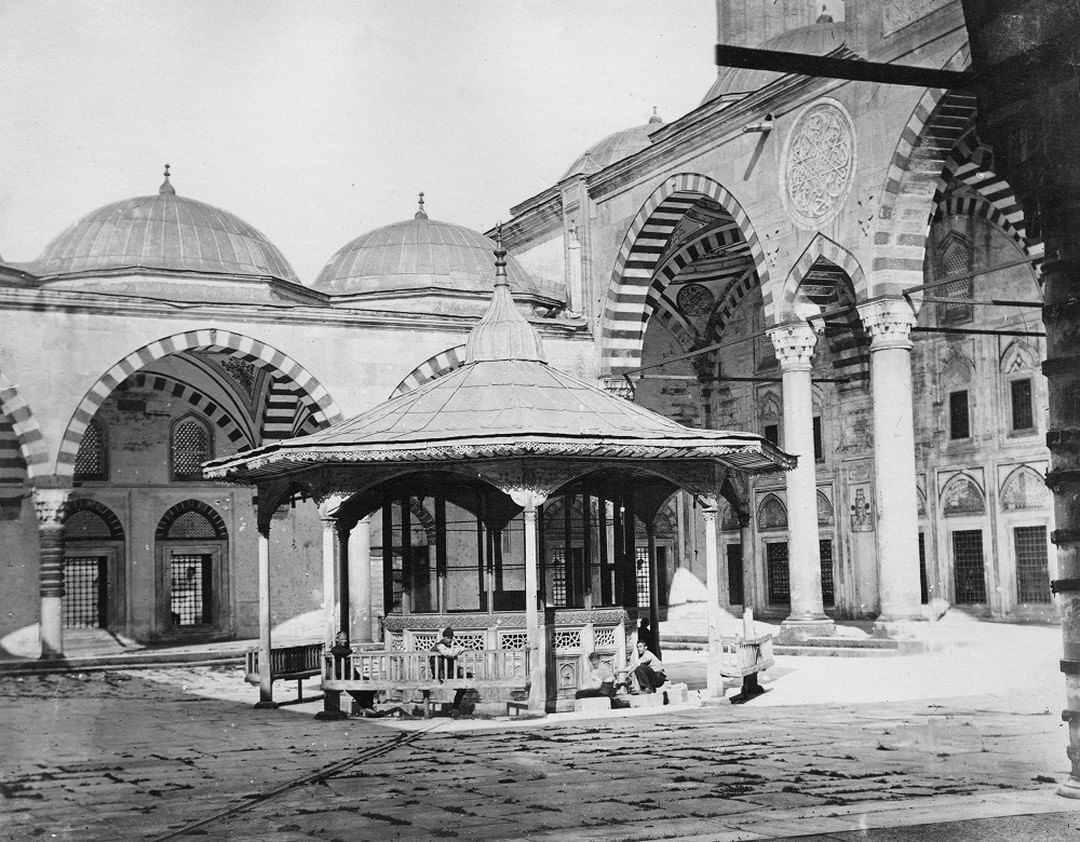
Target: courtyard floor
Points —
{"points": [[963, 742]]}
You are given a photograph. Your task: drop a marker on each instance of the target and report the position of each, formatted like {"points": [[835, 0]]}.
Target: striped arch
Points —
{"points": [[424, 520], [437, 366], [820, 247], [968, 163], [211, 339], [217, 416], [85, 504], [979, 208], [630, 291], [908, 196], [221, 532], [287, 413], [25, 427]]}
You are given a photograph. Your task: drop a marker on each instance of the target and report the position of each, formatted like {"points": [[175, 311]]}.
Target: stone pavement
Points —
{"points": [[141, 754]]}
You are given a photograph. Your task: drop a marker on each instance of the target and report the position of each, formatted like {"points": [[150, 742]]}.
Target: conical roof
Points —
{"points": [[505, 402]]}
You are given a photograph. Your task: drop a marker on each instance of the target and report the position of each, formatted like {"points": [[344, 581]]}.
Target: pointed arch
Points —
{"points": [[27, 432], [1020, 355], [1024, 488], [213, 339], [194, 513], [772, 513], [84, 517], [223, 421], [631, 290], [962, 495], [821, 248]]}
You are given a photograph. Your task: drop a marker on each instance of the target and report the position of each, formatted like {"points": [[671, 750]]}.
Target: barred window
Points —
{"points": [[959, 415], [190, 448], [90, 462], [1022, 416]]}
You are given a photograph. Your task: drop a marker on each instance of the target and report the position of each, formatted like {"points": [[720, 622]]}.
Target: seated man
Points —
{"points": [[365, 699], [598, 681], [646, 672], [442, 664]]}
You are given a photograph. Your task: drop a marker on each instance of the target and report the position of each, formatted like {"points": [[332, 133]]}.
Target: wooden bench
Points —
{"points": [[425, 672], [290, 663]]}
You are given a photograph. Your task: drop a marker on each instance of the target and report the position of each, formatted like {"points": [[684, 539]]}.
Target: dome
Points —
{"points": [[419, 254], [817, 39], [163, 232], [614, 148]]}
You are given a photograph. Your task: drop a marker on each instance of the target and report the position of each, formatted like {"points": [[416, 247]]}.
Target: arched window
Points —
{"points": [[191, 444], [192, 538], [956, 260], [91, 463]]}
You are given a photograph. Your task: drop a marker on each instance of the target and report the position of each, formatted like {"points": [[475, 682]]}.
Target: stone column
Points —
{"points": [[714, 679], [794, 346], [360, 582], [266, 692], [896, 517], [50, 505]]}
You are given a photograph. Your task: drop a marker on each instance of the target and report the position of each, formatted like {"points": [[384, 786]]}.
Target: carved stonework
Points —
{"points": [[695, 300], [794, 345], [618, 386], [819, 163], [50, 505], [888, 323]]}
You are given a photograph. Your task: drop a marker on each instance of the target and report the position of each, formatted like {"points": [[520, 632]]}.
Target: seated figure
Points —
{"points": [[598, 681], [443, 665], [646, 672]]}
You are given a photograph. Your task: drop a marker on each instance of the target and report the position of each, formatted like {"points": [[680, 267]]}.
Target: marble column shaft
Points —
{"points": [[896, 515]]}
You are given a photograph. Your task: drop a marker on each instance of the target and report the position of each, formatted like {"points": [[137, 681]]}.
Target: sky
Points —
{"points": [[318, 120]]}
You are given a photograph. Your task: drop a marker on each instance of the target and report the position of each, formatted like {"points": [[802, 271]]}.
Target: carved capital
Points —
{"points": [[888, 322], [618, 386], [50, 505], [528, 498], [329, 505], [794, 345]]}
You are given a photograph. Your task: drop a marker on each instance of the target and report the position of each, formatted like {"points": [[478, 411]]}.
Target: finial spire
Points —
{"points": [[166, 188], [420, 212], [500, 258], [656, 118]]}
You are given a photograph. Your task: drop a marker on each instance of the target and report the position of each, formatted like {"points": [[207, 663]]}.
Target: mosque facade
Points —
{"points": [[836, 266]]}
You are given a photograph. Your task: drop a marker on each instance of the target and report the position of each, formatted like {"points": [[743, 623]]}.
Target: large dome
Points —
{"points": [[613, 148], [163, 232], [419, 254], [817, 39]]}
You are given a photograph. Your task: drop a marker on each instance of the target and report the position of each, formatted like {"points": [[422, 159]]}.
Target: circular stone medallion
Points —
{"points": [[819, 163], [694, 300]]}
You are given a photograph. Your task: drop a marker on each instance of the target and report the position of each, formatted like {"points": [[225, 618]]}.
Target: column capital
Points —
{"points": [[794, 344], [50, 505], [888, 322]]}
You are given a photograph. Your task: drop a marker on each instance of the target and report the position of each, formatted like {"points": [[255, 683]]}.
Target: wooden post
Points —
{"points": [[654, 596], [266, 692]]}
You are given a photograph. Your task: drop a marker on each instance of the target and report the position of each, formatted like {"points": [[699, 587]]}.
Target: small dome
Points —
{"points": [[163, 232], [418, 254], [614, 148], [817, 39]]}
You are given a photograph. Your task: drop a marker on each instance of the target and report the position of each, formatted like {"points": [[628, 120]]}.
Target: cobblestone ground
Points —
{"points": [[142, 754]]}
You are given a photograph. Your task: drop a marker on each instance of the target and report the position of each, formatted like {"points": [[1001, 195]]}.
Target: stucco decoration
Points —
{"points": [[824, 509], [772, 514], [861, 508], [818, 163]]}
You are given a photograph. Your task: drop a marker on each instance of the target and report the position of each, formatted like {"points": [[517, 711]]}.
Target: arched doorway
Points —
{"points": [[193, 584], [93, 567]]}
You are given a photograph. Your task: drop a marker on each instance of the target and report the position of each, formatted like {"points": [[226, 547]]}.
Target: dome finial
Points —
{"points": [[420, 212], [656, 118], [500, 258], [166, 188]]}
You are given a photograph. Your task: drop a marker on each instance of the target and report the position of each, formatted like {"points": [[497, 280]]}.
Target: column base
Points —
{"points": [[796, 631], [331, 715], [261, 705], [907, 628], [1070, 789]]}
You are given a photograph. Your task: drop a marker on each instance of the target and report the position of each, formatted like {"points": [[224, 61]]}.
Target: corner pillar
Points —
{"points": [[896, 518], [266, 691], [794, 344], [360, 582], [50, 505], [713, 676], [534, 602]]}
